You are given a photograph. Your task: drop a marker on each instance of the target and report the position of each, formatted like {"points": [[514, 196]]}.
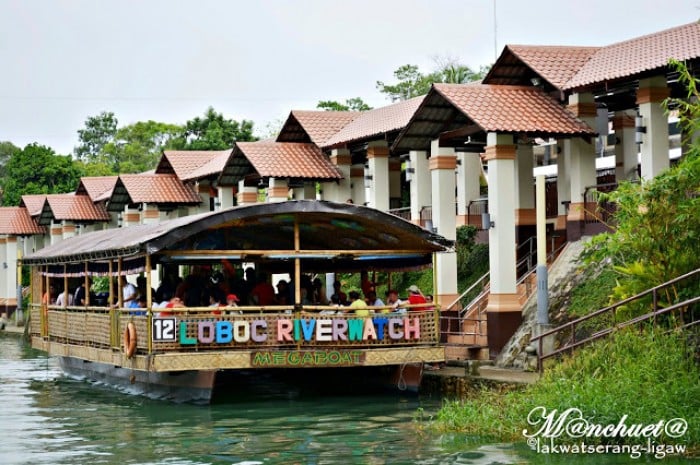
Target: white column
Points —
{"points": [[581, 158], [625, 149], [11, 259], [225, 196], [654, 149], [525, 188], [4, 270], [443, 163], [357, 184], [339, 191], [69, 229], [247, 195], [277, 190], [394, 181], [503, 316], [56, 231], [305, 192], [378, 160], [130, 217], [420, 183], [468, 185], [563, 186], [150, 214]]}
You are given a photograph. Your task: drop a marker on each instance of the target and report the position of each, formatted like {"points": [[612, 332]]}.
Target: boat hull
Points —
{"points": [[194, 386]]}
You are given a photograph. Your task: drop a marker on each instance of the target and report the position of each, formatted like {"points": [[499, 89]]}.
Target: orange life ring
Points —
{"points": [[130, 339]]}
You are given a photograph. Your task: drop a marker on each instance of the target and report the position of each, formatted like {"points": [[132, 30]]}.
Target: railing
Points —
{"points": [[198, 329], [426, 214], [597, 211], [404, 213], [609, 315]]}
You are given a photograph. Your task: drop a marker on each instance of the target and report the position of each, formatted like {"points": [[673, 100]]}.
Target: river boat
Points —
{"points": [[183, 353]]}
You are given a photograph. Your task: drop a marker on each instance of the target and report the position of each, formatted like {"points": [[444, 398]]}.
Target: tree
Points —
{"points": [[138, 147], [351, 104], [412, 82], [37, 169], [213, 132], [99, 131], [7, 149]]}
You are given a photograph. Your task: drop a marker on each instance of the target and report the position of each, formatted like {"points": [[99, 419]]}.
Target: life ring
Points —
{"points": [[130, 339]]}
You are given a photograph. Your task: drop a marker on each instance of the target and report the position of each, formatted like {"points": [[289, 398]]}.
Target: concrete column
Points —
{"points": [[247, 195], [394, 182], [130, 217], [581, 158], [305, 192], [4, 270], [442, 164], [205, 194], [357, 178], [503, 310], [69, 229], [277, 190], [468, 187], [225, 196], [563, 187], [56, 231], [625, 149], [378, 161], [525, 219], [150, 214], [420, 183], [654, 150], [339, 191], [11, 272]]}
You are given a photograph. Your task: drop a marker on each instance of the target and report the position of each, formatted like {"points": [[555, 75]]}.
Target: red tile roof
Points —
{"points": [[314, 126], [155, 188], [511, 109], [33, 203], [372, 123], [213, 167], [97, 187], [184, 163], [556, 64], [638, 55], [72, 207], [17, 221], [280, 160]]}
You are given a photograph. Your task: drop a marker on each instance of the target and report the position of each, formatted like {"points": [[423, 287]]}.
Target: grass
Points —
{"points": [[647, 376]]}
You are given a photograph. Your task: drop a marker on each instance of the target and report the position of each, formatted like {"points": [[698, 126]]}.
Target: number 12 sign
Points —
{"points": [[163, 329]]}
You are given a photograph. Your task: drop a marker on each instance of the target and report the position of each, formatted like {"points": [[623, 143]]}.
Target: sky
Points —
{"points": [[62, 61]]}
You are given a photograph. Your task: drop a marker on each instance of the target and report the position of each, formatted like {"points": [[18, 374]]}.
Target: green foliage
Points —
{"points": [[472, 260], [351, 104], [212, 132], [37, 169], [688, 107], [647, 376], [7, 149], [412, 82], [594, 293], [99, 131]]}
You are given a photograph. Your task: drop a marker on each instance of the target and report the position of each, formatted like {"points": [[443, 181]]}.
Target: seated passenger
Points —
{"points": [[359, 306]]}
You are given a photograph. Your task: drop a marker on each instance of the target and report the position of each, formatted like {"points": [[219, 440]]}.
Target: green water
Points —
{"points": [[46, 418]]}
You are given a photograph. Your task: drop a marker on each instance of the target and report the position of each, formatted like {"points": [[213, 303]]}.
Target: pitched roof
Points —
{"points": [[314, 126], [33, 203], [17, 221], [372, 123], [555, 64], [213, 167], [96, 187], [464, 110], [635, 56], [151, 188], [71, 207], [184, 163], [291, 160], [511, 109]]}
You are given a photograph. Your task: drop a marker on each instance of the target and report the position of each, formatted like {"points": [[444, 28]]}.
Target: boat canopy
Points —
{"points": [[327, 236]]}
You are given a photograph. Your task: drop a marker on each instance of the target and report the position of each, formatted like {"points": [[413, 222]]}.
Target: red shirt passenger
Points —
{"points": [[415, 296]]}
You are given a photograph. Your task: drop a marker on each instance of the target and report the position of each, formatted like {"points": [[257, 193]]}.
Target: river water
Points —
{"points": [[46, 418]]}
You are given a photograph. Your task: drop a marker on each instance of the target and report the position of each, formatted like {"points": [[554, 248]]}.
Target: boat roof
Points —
{"points": [[332, 236]]}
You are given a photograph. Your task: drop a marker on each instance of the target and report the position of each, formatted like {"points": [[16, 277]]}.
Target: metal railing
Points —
{"points": [[610, 315], [404, 212]]}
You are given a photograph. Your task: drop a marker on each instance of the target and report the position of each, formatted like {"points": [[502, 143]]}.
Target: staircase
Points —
{"points": [[574, 334], [464, 330]]}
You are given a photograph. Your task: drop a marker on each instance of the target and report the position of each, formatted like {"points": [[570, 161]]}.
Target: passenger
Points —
{"points": [[282, 297], [366, 284], [374, 301], [340, 295], [49, 296], [129, 291], [263, 293], [64, 299], [319, 292], [392, 298], [416, 297], [215, 301], [359, 306], [80, 297], [175, 302], [231, 302]]}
